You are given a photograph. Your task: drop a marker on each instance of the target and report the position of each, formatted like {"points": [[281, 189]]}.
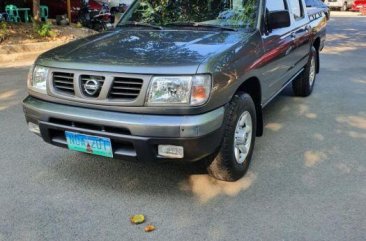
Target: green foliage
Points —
{"points": [[167, 11], [4, 32], [45, 30], [245, 15], [79, 25]]}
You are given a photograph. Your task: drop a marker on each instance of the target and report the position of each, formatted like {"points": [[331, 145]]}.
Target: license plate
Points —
{"points": [[96, 145]]}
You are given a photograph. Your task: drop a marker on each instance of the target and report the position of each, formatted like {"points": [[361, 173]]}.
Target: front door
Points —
{"points": [[278, 48]]}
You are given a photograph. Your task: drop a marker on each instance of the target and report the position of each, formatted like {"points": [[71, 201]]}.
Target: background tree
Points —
{"points": [[36, 12]]}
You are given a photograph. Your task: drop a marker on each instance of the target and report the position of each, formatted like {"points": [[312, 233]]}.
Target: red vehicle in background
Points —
{"points": [[60, 7], [97, 20], [358, 5]]}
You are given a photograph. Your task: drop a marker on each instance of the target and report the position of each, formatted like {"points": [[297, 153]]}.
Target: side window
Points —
{"points": [[319, 4], [297, 9], [310, 3], [276, 5]]}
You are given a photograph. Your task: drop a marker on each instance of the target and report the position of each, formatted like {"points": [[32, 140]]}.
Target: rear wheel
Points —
{"points": [[303, 85], [231, 162]]}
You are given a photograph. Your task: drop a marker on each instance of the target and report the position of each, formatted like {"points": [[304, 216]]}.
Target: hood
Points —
{"points": [[142, 50]]}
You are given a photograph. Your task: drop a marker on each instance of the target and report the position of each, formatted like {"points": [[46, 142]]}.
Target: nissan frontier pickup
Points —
{"points": [[176, 80]]}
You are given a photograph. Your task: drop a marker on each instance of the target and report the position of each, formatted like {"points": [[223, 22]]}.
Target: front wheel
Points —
{"points": [[231, 162]]}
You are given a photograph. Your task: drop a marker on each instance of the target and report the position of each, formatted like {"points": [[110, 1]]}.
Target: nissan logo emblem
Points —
{"points": [[91, 87]]}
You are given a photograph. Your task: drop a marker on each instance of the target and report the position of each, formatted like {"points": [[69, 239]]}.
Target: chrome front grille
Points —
{"points": [[96, 87], [63, 82], [125, 88]]}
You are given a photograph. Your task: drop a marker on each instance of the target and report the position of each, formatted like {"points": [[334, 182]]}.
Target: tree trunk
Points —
{"points": [[36, 11], [69, 10]]}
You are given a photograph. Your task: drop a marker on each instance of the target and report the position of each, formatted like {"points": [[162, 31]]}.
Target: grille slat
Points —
{"points": [[61, 77], [63, 82], [125, 88], [127, 82], [67, 88], [128, 94]]}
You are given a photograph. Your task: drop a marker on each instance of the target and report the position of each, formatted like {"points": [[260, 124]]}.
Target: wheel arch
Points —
{"points": [[316, 45], [252, 87]]}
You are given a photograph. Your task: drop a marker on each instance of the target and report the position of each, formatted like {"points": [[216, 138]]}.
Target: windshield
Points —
{"points": [[199, 13]]}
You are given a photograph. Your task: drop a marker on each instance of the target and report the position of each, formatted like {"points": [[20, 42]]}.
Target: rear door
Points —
{"points": [[300, 34], [278, 46]]}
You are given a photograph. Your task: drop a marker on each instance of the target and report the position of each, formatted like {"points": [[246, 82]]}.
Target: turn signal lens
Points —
{"points": [[199, 92], [201, 88]]}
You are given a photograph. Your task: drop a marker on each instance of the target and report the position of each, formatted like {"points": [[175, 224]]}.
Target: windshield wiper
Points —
{"points": [[198, 25], [138, 24]]}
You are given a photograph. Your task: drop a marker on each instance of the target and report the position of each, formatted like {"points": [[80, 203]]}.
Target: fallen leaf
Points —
{"points": [[149, 228], [138, 219]]}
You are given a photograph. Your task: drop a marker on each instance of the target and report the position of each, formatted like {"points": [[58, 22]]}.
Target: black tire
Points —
{"points": [[302, 85], [223, 165]]}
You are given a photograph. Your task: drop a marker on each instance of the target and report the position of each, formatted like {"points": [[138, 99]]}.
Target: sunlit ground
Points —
{"points": [[206, 188], [8, 99]]}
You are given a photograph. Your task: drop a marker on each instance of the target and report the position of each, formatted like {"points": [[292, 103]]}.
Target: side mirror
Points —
{"points": [[278, 19]]}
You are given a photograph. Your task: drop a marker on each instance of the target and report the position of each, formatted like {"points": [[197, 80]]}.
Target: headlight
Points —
{"points": [[37, 79], [179, 90]]}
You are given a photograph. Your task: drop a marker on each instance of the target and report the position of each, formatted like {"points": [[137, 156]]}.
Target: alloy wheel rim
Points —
{"points": [[312, 71], [243, 137]]}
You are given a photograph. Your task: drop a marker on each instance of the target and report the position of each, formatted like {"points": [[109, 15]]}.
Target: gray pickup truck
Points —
{"points": [[176, 81]]}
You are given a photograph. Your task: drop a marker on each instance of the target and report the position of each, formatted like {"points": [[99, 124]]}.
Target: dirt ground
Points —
{"points": [[21, 33]]}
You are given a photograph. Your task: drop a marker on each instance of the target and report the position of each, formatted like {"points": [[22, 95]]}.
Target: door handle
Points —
{"points": [[293, 35]]}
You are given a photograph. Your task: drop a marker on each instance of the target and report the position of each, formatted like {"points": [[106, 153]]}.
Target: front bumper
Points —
{"points": [[133, 136]]}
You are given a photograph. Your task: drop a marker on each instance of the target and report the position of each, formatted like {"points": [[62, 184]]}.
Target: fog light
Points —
{"points": [[169, 151], [34, 128]]}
